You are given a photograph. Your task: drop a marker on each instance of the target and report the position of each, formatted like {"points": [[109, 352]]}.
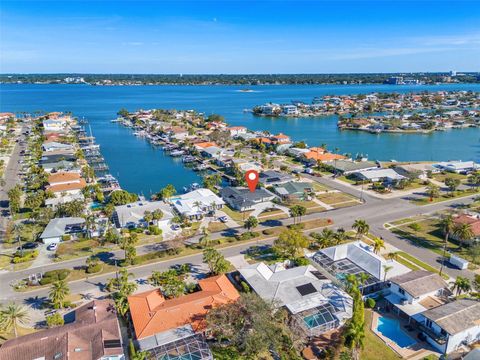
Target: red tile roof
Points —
{"points": [[468, 219], [152, 313]]}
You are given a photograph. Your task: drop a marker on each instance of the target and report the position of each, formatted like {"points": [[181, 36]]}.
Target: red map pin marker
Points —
{"points": [[251, 176]]}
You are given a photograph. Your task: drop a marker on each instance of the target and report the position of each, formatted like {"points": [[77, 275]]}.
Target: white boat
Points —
{"points": [[177, 153]]}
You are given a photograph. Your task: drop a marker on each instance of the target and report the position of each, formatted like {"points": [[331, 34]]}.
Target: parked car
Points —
{"points": [[309, 171], [52, 247], [223, 219], [28, 246], [175, 227]]}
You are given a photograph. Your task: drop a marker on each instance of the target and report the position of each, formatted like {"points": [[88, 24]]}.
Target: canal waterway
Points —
{"points": [[143, 168]]}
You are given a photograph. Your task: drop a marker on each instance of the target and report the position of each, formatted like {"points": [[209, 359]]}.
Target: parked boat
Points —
{"points": [[188, 159], [177, 153]]}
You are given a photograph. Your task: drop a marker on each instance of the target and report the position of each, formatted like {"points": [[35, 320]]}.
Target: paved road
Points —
{"points": [[375, 211], [11, 178]]}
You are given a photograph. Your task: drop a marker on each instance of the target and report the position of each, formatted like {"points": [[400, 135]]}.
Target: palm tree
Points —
{"points": [[378, 244], [12, 316], [198, 205], [447, 224], [461, 284], [392, 256], [362, 279], [205, 239], [340, 236], [356, 336], [463, 232], [352, 282], [386, 269], [325, 238], [433, 191], [361, 227], [58, 292]]}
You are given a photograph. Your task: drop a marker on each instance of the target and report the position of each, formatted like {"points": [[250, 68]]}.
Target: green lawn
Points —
{"points": [[374, 347], [441, 177], [444, 197], [332, 198]]}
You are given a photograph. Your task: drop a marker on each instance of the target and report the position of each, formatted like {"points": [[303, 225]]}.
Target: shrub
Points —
{"points": [[54, 320], [27, 256], [245, 287], [268, 232], [415, 226], [66, 237], [247, 236], [95, 268], [54, 275], [370, 303], [154, 230], [302, 261], [296, 226]]}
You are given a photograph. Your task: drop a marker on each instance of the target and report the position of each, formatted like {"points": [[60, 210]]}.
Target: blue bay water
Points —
{"points": [[144, 169]]}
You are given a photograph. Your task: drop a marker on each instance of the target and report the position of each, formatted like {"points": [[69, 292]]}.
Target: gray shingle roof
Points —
{"points": [[456, 316], [419, 282], [57, 227]]}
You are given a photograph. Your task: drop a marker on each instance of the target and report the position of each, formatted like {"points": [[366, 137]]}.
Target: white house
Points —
{"points": [[356, 258], [54, 125], [132, 215], [449, 326], [385, 175], [458, 166], [54, 146], [237, 130], [289, 110], [417, 291], [196, 204], [59, 227], [315, 302]]}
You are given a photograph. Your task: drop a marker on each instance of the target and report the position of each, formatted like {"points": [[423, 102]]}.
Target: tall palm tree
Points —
{"points": [[356, 336], [362, 279], [12, 316], [378, 244], [463, 232], [205, 239], [461, 284], [58, 292], [325, 238], [447, 225], [340, 236], [361, 227], [386, 269]]}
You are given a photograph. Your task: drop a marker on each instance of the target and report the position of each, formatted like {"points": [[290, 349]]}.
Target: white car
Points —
{"points": [[52, 247]]}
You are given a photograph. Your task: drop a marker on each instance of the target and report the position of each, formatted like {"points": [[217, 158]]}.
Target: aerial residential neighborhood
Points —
{"points": [[239, 180]]}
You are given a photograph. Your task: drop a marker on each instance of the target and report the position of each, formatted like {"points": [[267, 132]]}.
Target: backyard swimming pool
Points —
{"points": [[391, 328]]}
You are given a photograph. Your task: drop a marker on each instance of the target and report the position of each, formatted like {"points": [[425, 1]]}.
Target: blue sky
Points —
{"points": [[239, 36]]}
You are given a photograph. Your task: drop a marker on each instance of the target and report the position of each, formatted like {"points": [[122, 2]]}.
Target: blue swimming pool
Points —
{"points": [[391, 328]]}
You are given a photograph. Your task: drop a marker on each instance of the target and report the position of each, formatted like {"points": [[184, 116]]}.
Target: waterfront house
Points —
{"points": [[388, 176], [55, 201], [51, 158], [245, 165], [163, 324], [346, 167], [177, 132], [297, 152], [270, 109], [202, 145], [315, 156], [316, 304], [132, 215], [289, 110], [236, 131], [62, 183], [451, 326], [356, 258], [196, 204], [94, 334], [212, 152], [63, 165], [272, 177], [294, 190], [459, 167], [5, 116], [417, 291], [54, 125], [420, 170], [242, 199], [59, 227], [56, 146]]}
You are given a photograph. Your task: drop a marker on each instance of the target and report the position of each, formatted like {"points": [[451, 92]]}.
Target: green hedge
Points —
{"points": [[27, 256], [54, 275]]}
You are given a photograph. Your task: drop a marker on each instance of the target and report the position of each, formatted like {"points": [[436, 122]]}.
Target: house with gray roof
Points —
{"points": [[56, 146], [294, 190], [452, 325], [417, 291], [357, 257], [311, 298], [388, 176], [272, 177], [59, 227], [347, 167], [242, 199], [132, 215], [63, 165]]}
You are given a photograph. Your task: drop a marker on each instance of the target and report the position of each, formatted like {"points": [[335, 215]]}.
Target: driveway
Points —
{"points": [[259, 208]]}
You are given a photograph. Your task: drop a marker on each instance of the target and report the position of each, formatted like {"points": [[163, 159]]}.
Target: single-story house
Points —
{"points": [[449, 326], [315, 156], [347, 167], [212, 152], [62, 165], [472, 220], [59, 227], [310, 297], [236, 130], [132, 215], [55, 146], [419, 170], [417, 291], [94, 334], [293, 190], [271, 177], [45, 159], [458, 166], [245, 165], [384, 175], [54, 202], [242, 199], [196, 204], [297, 152], [160, 323], [356, 258]]}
